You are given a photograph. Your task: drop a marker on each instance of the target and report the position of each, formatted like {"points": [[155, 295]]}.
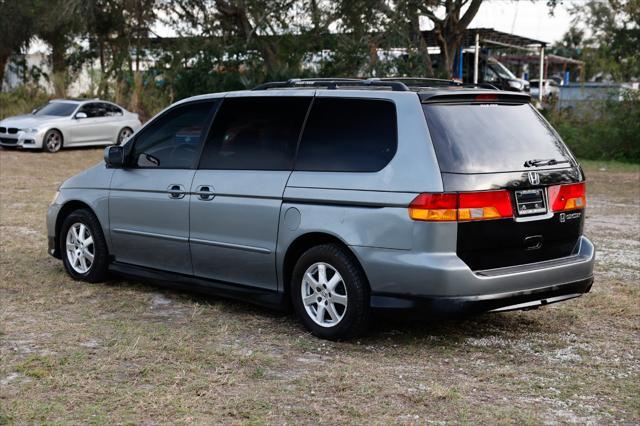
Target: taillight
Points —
{"points": [[484, 205], [567, 197], [464, 206], [434, 207]]}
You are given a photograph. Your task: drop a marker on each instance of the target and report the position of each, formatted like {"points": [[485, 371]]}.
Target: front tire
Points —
{"points": [[52, 141], [83, 247], [330, 293]]}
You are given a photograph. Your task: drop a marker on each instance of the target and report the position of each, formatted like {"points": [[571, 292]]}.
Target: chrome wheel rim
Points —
{"points": [[324, 294], [124, 134], [54, 142], [80, 248]]}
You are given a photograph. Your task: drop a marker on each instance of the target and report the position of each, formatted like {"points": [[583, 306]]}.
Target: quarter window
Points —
{"points": [[173, 140], [348, 135], [255, 133]]}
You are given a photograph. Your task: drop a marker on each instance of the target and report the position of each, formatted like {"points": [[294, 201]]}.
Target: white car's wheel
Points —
{"points": [[124, 135], [52, 141]]}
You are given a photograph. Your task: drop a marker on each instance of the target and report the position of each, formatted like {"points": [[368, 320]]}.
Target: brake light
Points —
{"points": [[480, 98], [464, 206], [434, 207], [484, 205], [567, 197]]}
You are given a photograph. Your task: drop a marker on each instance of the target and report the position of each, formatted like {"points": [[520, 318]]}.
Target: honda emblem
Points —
{"points": [[534, 178]]}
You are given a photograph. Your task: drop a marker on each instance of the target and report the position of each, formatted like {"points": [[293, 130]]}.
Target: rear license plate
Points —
{"points": [[531, 201]]}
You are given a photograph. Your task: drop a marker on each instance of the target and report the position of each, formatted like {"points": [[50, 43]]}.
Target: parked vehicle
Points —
{"points": [[69, 123], [550, 86], [495, 73], [340, 198]]}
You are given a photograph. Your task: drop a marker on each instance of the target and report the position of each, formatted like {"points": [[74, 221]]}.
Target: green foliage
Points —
{"points": [[22, 100], [607, 130]]}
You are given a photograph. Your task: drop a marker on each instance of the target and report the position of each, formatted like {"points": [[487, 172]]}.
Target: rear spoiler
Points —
{"points": [[476, 96]]}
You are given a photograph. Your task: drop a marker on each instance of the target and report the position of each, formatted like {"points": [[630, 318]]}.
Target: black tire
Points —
{"points": [[356, 314], [122, 131], [51, 148], [97, 271]]}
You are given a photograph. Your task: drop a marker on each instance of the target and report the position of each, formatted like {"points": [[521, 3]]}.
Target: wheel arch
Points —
{"points": [[66, 209], [63, 135], [303, 243]]}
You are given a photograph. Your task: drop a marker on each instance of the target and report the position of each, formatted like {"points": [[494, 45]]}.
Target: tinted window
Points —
{"points": [[485, 138], [58, 109], [94, 110], [255, 134], [173, 140], [112, 110], [348, 135]]}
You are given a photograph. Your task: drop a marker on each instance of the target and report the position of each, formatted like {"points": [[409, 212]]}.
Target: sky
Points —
{"points": [[525, 18]]}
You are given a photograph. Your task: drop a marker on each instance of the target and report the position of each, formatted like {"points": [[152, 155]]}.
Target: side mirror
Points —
{"points": [[81, 115], [114, 157], [34, 111]]}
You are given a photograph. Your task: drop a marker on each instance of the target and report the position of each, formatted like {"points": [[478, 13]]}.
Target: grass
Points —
{"points": [[119, 353]]}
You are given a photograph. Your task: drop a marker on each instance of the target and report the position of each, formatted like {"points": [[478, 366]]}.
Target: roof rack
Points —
{"points": [[333, 83], [398, 84]]}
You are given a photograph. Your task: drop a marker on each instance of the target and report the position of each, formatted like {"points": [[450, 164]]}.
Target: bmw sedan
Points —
{"points": [[69, 123]]}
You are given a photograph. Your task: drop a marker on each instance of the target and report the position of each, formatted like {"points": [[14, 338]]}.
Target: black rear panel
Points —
{"points": [[523, 239]]}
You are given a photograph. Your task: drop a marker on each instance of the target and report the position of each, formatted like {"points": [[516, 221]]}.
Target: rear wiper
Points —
{"points": [[548, 162]]}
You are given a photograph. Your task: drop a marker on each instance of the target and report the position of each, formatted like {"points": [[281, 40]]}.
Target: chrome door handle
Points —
{"points": [[176, 192], [205, 192]]}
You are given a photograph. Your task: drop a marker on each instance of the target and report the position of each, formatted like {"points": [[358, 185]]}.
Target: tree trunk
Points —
{"points": [[417, 39], [4, 58]]}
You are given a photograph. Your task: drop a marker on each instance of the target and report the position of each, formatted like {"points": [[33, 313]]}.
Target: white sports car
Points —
{"points": [[69, 123]]}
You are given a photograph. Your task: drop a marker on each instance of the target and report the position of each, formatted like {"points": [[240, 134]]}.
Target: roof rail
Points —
{"points": [[333, 83], [415, 81]]}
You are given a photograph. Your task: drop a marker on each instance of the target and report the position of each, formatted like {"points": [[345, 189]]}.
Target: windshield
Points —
{"points": [[58, 109], [487, 138], [502, 71]]}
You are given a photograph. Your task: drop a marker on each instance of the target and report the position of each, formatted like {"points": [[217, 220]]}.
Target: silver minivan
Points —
{"points": [[338, 198]]}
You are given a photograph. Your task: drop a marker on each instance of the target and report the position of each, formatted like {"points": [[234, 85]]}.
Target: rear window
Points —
{"points": [[348, 135], [486, 138]]}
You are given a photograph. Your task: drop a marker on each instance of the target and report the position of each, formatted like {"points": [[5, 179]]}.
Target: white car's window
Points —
{"points": [[57, 109], [94, 110]]}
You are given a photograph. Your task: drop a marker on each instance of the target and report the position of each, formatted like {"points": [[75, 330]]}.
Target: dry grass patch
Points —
{"points": [[128, 352]]}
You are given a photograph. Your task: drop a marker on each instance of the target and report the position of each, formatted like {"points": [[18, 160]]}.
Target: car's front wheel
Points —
{"points": [[83, 247], [330, 292], [52, 141]]}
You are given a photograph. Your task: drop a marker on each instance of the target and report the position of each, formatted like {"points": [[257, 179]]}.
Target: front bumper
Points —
{"points": [[21, 140], [52, 216]]}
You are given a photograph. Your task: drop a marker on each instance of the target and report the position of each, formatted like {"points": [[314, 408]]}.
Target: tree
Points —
{"points": [[16, 21]]}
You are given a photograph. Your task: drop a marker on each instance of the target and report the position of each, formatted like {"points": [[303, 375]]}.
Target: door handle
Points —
{"points": [[205, 192], [176, 191]]}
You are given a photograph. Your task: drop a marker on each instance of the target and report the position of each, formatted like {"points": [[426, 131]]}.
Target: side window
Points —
{"points": [[490, 75], [348, 135], [255, 133], [112, 110], [94, 110], [173, 140]]}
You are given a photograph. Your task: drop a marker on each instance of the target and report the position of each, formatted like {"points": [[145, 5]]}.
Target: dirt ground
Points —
{"points": [[126, 352]]}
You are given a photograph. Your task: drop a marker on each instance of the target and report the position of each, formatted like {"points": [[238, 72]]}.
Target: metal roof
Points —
{"points": [[486, 35]]}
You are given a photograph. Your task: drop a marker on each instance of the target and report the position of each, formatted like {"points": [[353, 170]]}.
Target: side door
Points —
{"points": [[237, 190], [91, 129], [149, 199]]}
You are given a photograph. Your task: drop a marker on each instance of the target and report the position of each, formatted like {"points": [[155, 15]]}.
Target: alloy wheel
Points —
{"points": [[124, 134], [324, 294], [80, 248], [54, 142]]}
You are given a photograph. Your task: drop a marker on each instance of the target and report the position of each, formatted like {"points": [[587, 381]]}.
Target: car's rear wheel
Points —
{"points": [[52, 141], [123, 135], [330, 292], [83, 247]]}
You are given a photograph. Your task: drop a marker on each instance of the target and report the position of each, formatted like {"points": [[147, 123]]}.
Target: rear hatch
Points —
{"points": [[498, 147]]}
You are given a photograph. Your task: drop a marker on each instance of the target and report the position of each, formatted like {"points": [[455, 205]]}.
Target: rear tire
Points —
{"points": [[52, 141], [83, 247], [330, 293], [123, 135]]}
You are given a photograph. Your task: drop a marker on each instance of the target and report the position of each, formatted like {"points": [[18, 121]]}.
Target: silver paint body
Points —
{"points": [[242, 234], [76, 132]]}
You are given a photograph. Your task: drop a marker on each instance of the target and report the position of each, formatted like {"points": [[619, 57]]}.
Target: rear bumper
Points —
{"points": [[500, 302], [405, 279]]}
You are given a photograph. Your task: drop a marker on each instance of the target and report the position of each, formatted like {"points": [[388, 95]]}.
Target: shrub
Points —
{"points": [[606, 130], [23, 100]]}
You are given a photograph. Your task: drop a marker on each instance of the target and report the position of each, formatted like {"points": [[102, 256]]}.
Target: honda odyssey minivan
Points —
{"points": [[339, 198]]}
